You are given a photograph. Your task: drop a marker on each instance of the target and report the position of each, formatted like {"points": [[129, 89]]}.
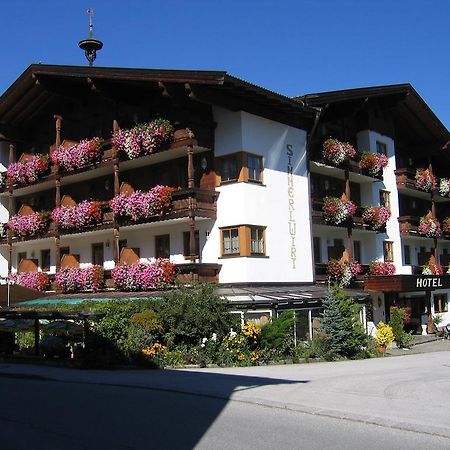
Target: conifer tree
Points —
{"points": [[340, 322]]}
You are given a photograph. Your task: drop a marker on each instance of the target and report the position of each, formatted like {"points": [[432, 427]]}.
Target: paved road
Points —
{"points": [[299, 406]]}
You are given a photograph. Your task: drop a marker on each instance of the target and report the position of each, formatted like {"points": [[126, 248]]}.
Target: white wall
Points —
{"points": [[264, 205]]}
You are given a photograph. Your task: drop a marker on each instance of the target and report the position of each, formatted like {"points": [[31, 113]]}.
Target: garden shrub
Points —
{"points": [[278, 334], [398, 318]]}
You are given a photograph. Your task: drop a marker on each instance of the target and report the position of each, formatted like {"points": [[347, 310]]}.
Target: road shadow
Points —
{"points": [[167, 409]]}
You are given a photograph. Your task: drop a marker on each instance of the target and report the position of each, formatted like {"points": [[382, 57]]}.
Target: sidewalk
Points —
{"points": [[405, 393]]}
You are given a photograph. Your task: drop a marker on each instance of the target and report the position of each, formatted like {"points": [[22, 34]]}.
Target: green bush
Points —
{"points": [[278, 334], [192, 313], [397, 321]]}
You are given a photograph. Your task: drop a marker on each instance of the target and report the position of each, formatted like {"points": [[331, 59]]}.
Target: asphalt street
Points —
{"points": [[390, 403]]}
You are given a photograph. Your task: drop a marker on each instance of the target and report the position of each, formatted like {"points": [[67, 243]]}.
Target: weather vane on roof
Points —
{"points": [[90, 45]]}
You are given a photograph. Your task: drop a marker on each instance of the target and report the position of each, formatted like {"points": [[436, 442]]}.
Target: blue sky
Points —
{"points": [[290, 46]]}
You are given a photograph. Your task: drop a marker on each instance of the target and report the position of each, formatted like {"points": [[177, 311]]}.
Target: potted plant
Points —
{"points": [[85, 214], [376, 217], [143, 139], [343, 272], [87, 152], [432, 269], [31, 280], [380, 268], [429, 226], [384, 336], [143, 205], [76, 279], [425, 180], [27, 172], [374, 163], [337, 210], [30, 225], [336, 152], [444, 187]]}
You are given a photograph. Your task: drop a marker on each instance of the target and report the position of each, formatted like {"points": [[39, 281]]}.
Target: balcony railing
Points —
{"points": [[203, 204], [321, 272]]}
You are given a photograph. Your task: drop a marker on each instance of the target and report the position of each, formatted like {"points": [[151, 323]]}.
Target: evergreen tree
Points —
{"points": [[340, 322]]}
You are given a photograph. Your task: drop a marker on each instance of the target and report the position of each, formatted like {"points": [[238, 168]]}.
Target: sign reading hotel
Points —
{"points": [[406, 283], [291, 204]]}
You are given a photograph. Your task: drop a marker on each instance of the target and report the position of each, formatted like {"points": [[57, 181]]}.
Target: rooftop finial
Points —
{"points": [[90, 45]]}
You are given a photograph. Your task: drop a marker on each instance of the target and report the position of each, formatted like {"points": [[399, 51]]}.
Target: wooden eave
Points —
{"points": [[40, 83]]}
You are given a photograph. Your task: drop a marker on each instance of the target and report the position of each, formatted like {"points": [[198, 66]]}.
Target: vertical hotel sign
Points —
{"points": [[291, 205]]}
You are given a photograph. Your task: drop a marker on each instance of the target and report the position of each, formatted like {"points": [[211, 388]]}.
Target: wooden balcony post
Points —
{"points": [[116, 251], [12, 151], [190, 154], [347, 184], [58, 122]]}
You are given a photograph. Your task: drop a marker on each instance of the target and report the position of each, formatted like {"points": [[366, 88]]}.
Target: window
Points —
{"points": [[317, 252], [230, 241], [64, 251], [241, 166], [162, 246], [243, 240], [228, 168], [20, 256], [97, 254], [385, 199], [440, 303], [254, 165], [122, 244], [407, 255], [357, 250], [186, 237], [257, 240], [381, 148], [45, 260], [388, 249]]}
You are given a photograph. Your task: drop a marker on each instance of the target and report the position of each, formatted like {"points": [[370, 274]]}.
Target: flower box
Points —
{"points": [[376, 217], [143, 139], [342, 271], [77, 156], [85, 214], [380, 268], [425, 180], [30, 225], [374, 163], [444, 187], [432, 269], [429, 226], [337, 210], [31, 280], [143, 205], [76, 279], [336, 152], [28, 169], [144, 276]]}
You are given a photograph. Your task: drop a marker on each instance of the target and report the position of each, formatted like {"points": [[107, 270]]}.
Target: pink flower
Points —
{"points": [[79, 155], [376, 216], [31, 280], [30, 225], [75, 279], [425, 180], [24, 173], [336, 152], [336, 210], [378, 268], [430, 227], [85, 214]]}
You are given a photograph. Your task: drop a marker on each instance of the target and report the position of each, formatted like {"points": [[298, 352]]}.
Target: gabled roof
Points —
{"points": [[410, 105], [36, 86]]}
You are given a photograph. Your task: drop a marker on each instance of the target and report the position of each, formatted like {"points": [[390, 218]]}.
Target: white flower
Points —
{"points": [[204, 341], [214, 337], [232, 333], [202, 345]]}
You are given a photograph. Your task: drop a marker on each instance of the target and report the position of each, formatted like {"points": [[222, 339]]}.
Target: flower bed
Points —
{"points": [[79, 155], [444, 187], [32, 280], [432, 269], [27, 226], [379, 268], [376, 216], [25, 173], [336, 152], [374, 163], [425, 180], [76, 279], [85, 214], [430, 227], [143, 205], [143, 139], [143, 276], [343, 272], [336, 210]]}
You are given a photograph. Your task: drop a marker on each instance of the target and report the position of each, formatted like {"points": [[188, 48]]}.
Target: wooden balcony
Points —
{"points": [[321, 270]]}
